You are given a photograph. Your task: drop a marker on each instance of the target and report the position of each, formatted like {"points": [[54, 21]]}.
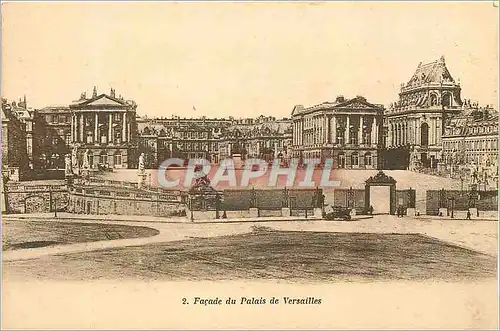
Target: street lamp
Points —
{"points": [[452, 205]]}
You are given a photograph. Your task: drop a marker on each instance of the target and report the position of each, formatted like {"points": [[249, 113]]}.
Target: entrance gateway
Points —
{"points": [[380, 193]]}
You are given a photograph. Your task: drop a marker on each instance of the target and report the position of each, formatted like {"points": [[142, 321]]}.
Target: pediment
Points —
{"points": [[357, 103], [104, 100], [101, 101]]}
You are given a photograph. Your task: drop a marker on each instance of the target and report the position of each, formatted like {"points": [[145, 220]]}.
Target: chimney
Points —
{"points": [[94, 93], [340, 99], [112, 93]]}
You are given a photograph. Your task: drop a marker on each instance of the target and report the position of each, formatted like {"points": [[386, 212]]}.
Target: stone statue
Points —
{"points": [[67, 165], [85, 164], [74, 158], [141, 163]]}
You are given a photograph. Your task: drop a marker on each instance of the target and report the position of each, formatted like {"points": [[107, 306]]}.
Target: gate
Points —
{"points": [[380, 184]]}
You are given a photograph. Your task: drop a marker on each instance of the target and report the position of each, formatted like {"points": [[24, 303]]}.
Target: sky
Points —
{"points": [[241, 59]]}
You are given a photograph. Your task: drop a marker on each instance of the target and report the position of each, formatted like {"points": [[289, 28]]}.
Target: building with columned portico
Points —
{"points": [[104, 124], [347, 130]]}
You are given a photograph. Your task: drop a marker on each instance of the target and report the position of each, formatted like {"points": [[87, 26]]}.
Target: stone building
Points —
{"points": [[184, 138], [415, 122], [105, 124], [265, 138], [347, 130], [52, 137], [14, 142], [470, 143]]}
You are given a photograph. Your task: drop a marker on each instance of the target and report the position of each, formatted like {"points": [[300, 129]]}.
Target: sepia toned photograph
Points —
{"points": [[249, 165]]}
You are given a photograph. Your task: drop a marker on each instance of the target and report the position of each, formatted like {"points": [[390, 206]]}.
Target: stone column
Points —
{"points": [[346, 133], [96, 128], [439, 131], [373, 131], [333, 125], [328, 130], [418, 132], [110, 128], [81, 126], [389, 134], [360, 130], [129, 133], [73, 128], [124, 129], [377, 128]]}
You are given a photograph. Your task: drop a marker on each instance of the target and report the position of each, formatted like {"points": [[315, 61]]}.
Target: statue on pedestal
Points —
{"points": [[85, 163], [141, 163], [141, 174], [74, 159], [68, 171]]}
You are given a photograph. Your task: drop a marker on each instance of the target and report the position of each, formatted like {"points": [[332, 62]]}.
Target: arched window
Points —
{"points": [[424, 134], [354, 159], [446, 100], [433, 100]]}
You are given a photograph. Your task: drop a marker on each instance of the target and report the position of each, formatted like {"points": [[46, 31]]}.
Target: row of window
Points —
{"points": [[355, 158], [63, 119], [483, 144], [194, 135], [482, 129]]}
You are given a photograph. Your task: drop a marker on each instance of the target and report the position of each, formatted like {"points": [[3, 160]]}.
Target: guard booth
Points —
{"points": [[380, 193]]}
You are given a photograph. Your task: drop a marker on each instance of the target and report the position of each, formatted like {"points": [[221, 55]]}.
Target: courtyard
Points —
{"points": [[379, 248]]}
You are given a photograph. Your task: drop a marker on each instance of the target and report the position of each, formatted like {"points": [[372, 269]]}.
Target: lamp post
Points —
{"points": [[452, 205]]}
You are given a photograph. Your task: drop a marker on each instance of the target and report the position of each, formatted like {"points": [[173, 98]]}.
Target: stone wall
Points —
{"points": [[34, 197], [104, 200]]}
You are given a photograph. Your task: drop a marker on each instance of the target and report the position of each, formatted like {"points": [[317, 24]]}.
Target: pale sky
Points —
{"points": [[241, 59]]}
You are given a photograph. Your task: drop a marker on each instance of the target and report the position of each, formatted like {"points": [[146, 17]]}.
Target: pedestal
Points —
{"points": [[443, 211], [411, 212], [318, 213], [254, 212], [286, 212]]}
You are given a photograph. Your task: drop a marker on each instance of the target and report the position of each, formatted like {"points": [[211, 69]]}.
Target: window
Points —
{"points": [[118, 159], [368, 159], [354, 159], [104, 159], [90, 137]]}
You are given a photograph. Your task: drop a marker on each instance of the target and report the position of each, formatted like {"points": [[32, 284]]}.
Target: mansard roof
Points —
{"points": [[433, 72]]}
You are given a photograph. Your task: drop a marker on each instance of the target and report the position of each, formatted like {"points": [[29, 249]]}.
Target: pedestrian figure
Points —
{"points": [[370, 210], [468, 215]]}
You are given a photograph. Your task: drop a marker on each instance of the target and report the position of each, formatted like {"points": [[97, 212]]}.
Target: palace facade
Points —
{"points": [[14, 141], [415, 123], [347, 130], [264, 137], [52, 137], [105, 126], [471, 142]]}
